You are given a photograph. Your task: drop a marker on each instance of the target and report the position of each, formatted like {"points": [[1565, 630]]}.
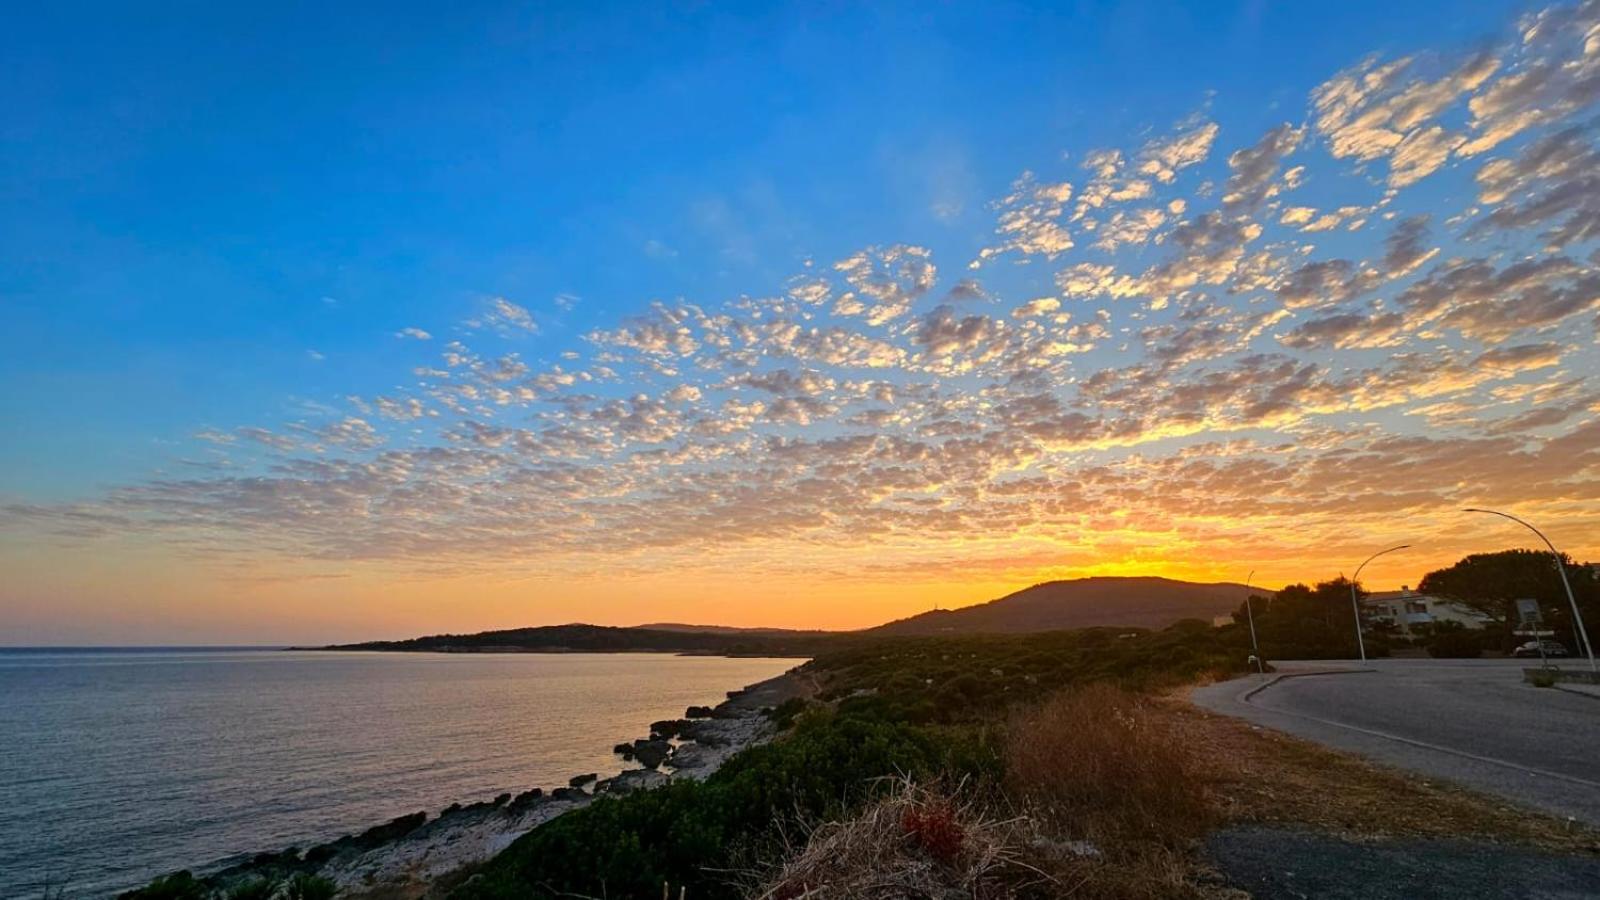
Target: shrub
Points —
{"points": [[252, 889], [309, 887], [177, 886], [689, 835], [1455, 643], [1542, 678], [1094, 761], [915, 842]]}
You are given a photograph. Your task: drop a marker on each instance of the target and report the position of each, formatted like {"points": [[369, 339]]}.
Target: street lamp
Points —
{"points": [[1250, 616], [1577, 617], [1355, 608]]}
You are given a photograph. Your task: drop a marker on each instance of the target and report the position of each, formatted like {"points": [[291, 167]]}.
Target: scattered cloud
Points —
{"points": [[1203, 330]]}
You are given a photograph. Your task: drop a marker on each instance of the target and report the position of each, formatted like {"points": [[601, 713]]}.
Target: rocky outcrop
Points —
{"points": [[578, 781], [667, 729], [691, 756], [630, 781], [524, 800], [651, 753]]}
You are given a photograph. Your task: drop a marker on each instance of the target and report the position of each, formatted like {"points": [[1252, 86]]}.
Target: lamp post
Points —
{"points": [[1250, 616], [1577, 617], [1355, 608]]}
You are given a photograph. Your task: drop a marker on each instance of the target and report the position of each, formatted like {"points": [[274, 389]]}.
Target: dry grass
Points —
{"points": [[1104, 765], [917, 842], [1117, 791], [1259, 776]]}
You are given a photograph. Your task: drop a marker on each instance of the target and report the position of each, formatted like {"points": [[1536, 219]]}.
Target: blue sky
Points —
{"points": [[310, 311], [198, 197]]}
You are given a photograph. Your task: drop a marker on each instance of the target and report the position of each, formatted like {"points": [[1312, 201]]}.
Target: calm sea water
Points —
{"points": [[116, 766]]}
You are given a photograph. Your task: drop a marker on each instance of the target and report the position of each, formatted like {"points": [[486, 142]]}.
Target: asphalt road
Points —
{"points": [[1469, 721]]}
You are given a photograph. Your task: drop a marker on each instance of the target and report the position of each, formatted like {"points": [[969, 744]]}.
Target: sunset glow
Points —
{"points": [[1266, 317]]}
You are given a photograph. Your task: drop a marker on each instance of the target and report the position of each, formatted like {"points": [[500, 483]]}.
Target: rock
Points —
{"points": [[392, 830], [579, 781], [651, 753], [706, 731], [525, 799], [632, 780], [568, 794], [452, 808], [698, 712], [501, 799], [624, 750], [320, 854], [666, 729], [690, 756]]}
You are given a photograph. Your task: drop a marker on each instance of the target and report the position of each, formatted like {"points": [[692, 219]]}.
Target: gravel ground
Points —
{"points": [[1279, 864]]}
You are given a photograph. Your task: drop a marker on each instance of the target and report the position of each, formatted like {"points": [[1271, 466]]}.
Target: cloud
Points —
{"points": [[1203, 333], [415, 334], [505, 317], [887, 281], [1030, 219]]}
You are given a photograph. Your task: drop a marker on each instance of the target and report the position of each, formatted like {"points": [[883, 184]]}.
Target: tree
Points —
{"points": [[1491, 583], [1301, 622]]}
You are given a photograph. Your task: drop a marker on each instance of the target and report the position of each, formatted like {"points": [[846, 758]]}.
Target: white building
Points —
{"points": [[1406, 608]]}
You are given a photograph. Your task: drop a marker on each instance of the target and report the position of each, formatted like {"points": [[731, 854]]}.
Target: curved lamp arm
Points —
{"points": [[1561, 569]]}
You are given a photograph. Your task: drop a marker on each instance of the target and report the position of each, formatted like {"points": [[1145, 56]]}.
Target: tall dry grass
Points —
{"points": [[1096, 763]]}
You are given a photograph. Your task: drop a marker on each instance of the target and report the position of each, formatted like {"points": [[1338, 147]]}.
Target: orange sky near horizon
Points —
{"points": [[141, 595], [1276, 332]]}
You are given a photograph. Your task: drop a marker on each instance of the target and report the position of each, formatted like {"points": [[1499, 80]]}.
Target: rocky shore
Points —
{"points": [[410, 854]]}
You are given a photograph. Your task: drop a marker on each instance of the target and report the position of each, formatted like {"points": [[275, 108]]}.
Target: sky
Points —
{"points": [[328, 323]]}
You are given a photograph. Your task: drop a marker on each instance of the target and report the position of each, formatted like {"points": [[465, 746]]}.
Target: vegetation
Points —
{"points": [[1544, 678], [1301, 622], [1452, 640], [928, 709], [1492, 583], [1097, 761], [690, 834], [185, 886], [918, 841]]}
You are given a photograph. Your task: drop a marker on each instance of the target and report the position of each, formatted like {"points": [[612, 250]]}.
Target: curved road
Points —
{"points": [[1470, 721]]}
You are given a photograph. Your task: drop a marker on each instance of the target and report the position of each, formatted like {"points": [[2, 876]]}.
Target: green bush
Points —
{"points": [[177, 886], [688, 834], [1455, 642], [1543, 678], [252, 889], [309, 887]]}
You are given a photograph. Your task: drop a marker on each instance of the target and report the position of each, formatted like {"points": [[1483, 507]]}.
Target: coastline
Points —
{"points": [[409, 855]]}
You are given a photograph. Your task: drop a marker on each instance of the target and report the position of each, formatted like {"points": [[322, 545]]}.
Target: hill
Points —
{"points": [[1145, 602], [579, 638], [732, 629]]}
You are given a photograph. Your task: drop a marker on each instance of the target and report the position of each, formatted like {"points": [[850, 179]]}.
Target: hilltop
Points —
{"points": [[1143, 602]]}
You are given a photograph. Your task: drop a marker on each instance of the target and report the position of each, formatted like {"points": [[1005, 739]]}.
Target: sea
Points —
{"points": [[118, 765]]}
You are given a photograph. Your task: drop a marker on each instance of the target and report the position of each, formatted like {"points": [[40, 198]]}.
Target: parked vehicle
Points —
{"points": [[1531, 649]]}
